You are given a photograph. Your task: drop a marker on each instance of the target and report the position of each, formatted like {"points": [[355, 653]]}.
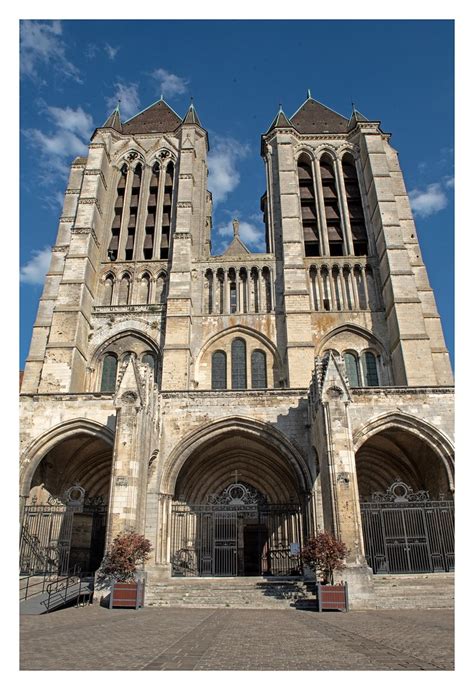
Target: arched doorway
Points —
{"points": [[407, 505], [239, 508], [65, 513]]}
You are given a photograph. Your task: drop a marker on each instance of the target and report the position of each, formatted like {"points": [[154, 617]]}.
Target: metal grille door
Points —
{"points": [[411, 534], [225, 543]]}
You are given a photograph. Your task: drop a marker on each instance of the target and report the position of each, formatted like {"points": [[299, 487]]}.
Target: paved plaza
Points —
{"points": [[94, 638]]}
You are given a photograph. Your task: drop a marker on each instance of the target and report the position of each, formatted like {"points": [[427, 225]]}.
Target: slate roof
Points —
{"points": [[159, 117], [280, 121], [113, 120], [191, 117], [315, 118]]}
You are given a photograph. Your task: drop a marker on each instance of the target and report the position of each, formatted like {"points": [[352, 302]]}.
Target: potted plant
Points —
{"points": [[324, 554], [119, 569]]}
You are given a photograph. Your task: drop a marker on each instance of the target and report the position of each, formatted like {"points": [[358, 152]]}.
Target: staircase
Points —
{"points": [[423, 591], [229, 592], [420, 591]]}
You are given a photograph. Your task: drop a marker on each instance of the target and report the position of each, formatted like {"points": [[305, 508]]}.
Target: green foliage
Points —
{"points": [[128, 550], [324, 554]]}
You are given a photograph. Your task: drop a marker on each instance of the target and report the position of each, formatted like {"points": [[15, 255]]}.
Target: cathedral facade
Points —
{"points": [[231, 406]]}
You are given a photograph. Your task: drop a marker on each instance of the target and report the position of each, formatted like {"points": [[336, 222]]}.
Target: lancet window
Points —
{"points": [[354, 203], [166, 212], [331, 207], [239, 364], [259, 369], [152, 208], [109, 373], [309, 214], [112, 252], [219, 370]]}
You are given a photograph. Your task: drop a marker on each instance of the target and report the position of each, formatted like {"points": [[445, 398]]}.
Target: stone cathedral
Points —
{"points": [[231, 406]]}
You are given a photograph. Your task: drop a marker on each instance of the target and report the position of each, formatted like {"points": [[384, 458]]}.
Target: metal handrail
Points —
{"points": [[62, 586]]}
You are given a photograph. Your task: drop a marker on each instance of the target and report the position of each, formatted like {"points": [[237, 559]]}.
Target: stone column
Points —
{"points": [[355, 290]]}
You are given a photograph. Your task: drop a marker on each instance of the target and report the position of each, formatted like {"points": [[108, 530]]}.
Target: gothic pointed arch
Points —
{"points": [[263, 433], [40, 446], [420, 428]]}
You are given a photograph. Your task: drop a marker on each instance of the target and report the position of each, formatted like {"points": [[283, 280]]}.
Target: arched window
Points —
{"points": [[107, 290], [166, 215], [124, 289], [150, 360], [309, 214], [354, 203], [232, 290], [209, 291], [352, 369], [109, 373], [259, 369], [369, 366], [133, 212], [112, 251], [239, 364], [331, 207], [160, 288], [267, 305], [144, 292], [151, 213], [219, 370]]}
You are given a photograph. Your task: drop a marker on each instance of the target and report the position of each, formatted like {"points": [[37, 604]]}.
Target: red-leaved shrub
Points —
{"points": [[128, 550], [324, 554]]}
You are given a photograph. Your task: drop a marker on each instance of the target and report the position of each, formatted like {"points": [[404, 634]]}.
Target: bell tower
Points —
{"points": [[346, 246]]}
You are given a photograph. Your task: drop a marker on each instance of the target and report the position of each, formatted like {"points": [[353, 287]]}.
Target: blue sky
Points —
{"points": [[238, 72]]}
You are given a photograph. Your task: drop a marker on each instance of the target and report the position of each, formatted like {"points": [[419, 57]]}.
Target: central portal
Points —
{"points": [[238, 532]]}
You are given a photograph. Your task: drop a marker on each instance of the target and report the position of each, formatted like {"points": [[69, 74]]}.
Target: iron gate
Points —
{"points": [[236, 533], [52, 536], [406, 532]]}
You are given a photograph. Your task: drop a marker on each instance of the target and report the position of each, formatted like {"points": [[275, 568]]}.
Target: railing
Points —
{"points": [[59, 592], [32, 588]]}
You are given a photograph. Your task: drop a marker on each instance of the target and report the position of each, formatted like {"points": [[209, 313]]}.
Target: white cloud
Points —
{"points": [[111, 51], [72, 131], [222, 161], [449, 182], [127, 94], [169, 84], [426, 202], [34, 271], [75, 121], [251, 234], [41, 46]]}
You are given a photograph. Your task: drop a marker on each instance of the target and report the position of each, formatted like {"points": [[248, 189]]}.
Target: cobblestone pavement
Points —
{"points": [[94, 638]]}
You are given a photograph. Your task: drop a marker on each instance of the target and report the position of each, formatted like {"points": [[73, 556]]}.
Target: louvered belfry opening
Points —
{"points": [[112, 251], [151, 213], [354, 203], [166, 217], [331, 207], [308, 207], [132, 219]]}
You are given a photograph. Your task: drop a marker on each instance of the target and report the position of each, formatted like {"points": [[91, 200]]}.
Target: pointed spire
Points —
{"points": [[113, 120], [355, 117], [280, 120], [191, 117]]}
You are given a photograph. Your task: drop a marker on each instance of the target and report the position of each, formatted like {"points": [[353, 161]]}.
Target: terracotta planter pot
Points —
{"points": [[127, 594], [332, 597]]}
